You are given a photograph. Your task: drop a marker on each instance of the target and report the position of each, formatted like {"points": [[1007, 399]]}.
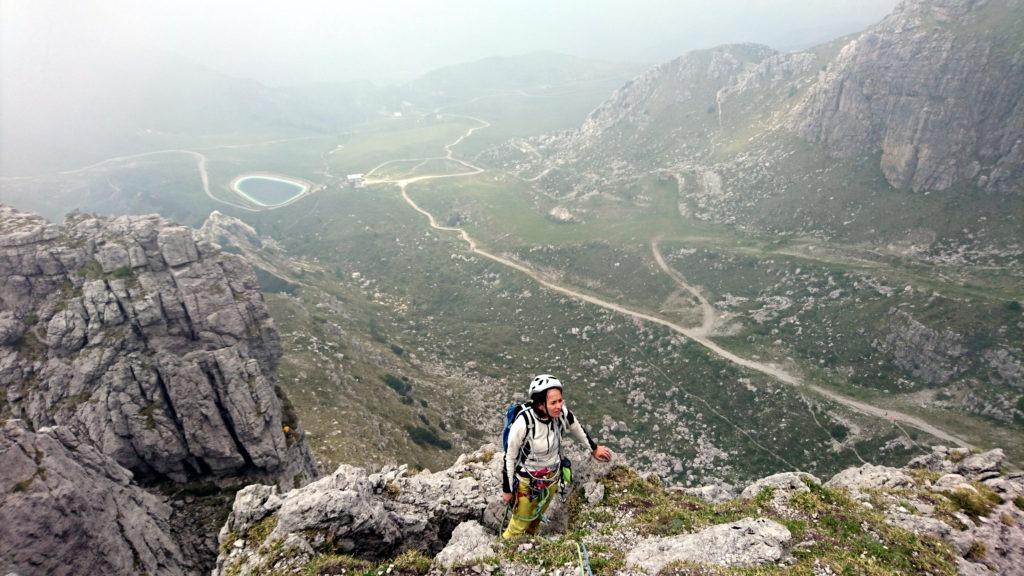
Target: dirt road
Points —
{"points": [[698, 335]]}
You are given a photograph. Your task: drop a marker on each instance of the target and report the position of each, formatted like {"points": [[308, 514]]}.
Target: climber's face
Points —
{"points": [[554, 403]]}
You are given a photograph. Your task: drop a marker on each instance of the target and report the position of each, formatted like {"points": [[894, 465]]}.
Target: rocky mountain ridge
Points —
{"points": [[133, 352], [926, 108], [947, 512], [936, 87], [156, 348]]}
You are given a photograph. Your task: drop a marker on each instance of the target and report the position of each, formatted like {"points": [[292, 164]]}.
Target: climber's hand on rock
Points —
{"points": [[603, 454], [506, 496]]}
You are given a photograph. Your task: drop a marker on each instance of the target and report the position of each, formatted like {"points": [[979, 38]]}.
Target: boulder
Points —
{"points": [[870, 476], [470, 542], [720, 492], [982, 466], [111, 257], [950, 482], [746, 542], [177, 246], [784, 484]]}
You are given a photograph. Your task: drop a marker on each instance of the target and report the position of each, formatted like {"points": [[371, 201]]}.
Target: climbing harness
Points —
{"points": [[539, 490]]}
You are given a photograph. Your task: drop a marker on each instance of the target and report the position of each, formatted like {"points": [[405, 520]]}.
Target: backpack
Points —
{"points": [[513, 412]]}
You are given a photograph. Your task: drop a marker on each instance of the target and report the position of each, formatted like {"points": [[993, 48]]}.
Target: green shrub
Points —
{"points": [[975, 503], [258, 533], [427, 437], [400, 385], [977, 551]]}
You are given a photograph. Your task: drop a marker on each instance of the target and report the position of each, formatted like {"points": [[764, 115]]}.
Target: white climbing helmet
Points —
{"points": [[544, 382]]}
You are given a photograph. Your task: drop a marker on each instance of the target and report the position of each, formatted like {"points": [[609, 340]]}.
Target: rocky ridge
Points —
{"points": [[157, 349], [147, 351], [935, 89], [947, 512], [929, 100]]}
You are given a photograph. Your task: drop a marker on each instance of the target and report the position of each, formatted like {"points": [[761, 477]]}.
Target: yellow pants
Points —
{"points": [[526, 515]]}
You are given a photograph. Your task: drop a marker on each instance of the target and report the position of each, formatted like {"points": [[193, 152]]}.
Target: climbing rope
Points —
{"points": [[584, 556]]}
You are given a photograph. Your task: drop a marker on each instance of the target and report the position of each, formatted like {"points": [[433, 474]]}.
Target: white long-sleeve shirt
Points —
{"points": [[540, 450]]}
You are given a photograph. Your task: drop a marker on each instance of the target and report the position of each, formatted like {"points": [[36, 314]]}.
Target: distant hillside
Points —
{"points": [[833, 141], [538, 71], [64, 110]]}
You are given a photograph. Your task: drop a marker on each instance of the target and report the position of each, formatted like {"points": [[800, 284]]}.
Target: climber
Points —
{"points": [[533, 464]]}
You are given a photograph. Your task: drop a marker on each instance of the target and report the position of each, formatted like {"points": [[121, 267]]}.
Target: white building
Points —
{"points": [[355, 180]]}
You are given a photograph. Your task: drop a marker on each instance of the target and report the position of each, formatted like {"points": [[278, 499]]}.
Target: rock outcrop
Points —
{"points": [[938, 86], [932, 356], [470, 543], [67, 509], [447, 522], [157, 349], [146, 359], [375, 515]]}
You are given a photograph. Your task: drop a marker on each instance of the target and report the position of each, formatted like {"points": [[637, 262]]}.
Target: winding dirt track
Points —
{"points": [[709, 316], [698, 335]]}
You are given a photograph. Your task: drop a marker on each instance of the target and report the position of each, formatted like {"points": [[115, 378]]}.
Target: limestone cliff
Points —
{"points": [[138, 380], [67, 509], [156, 349], [938, 86]]}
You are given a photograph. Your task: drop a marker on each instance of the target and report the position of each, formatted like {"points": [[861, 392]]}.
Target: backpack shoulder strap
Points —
{"points": [[531, 420]]}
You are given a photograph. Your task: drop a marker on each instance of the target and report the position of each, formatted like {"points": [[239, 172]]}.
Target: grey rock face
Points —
{"points": [[933, 356], [470, 542], [870, 476], [594, 492], [747, 542], [73, 510], [156, 349], [978, 466], [784, 484], [714, 493], [177, 246], [933, 86]]}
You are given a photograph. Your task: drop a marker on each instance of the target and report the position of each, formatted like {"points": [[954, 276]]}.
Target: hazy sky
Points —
{"points": [[280, 42]]}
